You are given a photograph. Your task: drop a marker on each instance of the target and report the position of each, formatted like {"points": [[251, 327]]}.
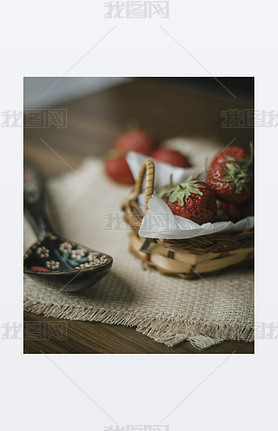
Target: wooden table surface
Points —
{"points": [[93, 122]]}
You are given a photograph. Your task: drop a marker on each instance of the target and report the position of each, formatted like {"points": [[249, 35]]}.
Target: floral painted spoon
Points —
{"points": [[56, 261]]}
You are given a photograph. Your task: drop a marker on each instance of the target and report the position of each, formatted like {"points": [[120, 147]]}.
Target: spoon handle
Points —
{"points": [[34, 193]]}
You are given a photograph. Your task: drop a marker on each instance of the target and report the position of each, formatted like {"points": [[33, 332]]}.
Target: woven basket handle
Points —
{"points": [[146, 170]]}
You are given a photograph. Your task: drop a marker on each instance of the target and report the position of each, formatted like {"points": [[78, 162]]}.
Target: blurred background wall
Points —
{"points": [[41, 92], [47, 91]]}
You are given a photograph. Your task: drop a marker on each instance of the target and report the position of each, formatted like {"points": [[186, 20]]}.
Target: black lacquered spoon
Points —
{"points": [[59, 262]]}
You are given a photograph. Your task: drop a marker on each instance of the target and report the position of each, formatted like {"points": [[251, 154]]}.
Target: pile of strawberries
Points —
{"points": [[141, 142], [226, 194]]}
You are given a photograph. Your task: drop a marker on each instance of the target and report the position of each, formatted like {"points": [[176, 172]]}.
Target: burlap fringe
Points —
{"points": [[162, 329]]}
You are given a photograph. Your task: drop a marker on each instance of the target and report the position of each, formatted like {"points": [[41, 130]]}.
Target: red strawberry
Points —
{"points": [[118, 170], [136, 140], [234, 212], [172, 157], [228, 212], [231, 178], [235, 152], [195, 200]]}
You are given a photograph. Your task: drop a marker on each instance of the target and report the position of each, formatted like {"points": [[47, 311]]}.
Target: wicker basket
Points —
{"points": [[186, 258]]}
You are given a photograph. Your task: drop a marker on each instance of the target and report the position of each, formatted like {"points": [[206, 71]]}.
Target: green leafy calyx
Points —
{"points": [[185, 189], [238, 173]]}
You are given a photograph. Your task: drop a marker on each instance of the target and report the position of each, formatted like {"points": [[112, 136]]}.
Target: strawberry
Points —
{"points": [[117, 169], [234, 213], [228, 212], [174, 158], [235, 152], [195, 200], [136, 140], [231, 177]]}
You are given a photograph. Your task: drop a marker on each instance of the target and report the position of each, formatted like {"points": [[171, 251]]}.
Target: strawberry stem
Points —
{"points": [[171, 181]]}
